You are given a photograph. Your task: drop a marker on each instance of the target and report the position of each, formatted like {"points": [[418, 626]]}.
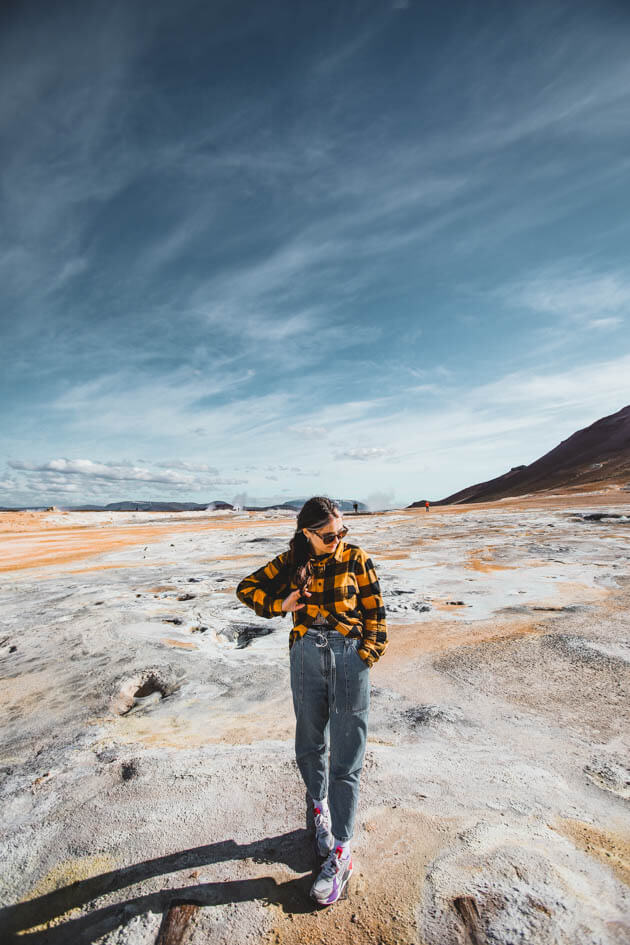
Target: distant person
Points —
{"points": [[355, 506], [339, 631], [426, 505]]}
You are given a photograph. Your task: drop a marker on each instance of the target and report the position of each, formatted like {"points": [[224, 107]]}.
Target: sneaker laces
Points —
{"points": [[321, 819], [331, 865]]}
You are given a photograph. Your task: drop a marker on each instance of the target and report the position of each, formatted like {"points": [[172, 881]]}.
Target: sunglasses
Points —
{"points": [[329, 537]]}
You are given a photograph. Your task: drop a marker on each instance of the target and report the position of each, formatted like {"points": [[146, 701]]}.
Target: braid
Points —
{"points": [[301, 567]]}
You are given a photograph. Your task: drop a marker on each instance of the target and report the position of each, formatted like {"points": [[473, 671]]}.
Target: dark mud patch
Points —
{"points": [[394, 719], [606, 517], [241, 635], [580, 649], [551, 609], [419, 716]]}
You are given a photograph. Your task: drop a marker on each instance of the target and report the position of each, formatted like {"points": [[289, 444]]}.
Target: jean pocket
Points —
{"points": [[356, 646], [357, 679]]}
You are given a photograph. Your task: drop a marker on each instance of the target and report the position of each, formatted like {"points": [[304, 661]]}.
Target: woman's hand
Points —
{"points": [[292, 602]]}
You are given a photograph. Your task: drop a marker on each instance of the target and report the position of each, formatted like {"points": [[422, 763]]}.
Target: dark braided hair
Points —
{"points": [[313, 514]]}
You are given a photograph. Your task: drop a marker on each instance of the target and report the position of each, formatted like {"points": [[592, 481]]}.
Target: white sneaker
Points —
{"points": [[323, 836], [333, 877]]}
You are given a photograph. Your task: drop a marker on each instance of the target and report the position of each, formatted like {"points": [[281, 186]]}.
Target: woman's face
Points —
{"points": [[333, 525]]}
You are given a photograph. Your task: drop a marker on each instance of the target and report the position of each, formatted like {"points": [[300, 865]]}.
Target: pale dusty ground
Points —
{"points": [[147, 739]]}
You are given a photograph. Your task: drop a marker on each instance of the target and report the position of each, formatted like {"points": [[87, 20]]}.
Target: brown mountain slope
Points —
{"points": [[598, 454]]}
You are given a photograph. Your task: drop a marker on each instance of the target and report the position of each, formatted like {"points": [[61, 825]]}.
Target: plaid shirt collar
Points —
{"points": [[336, 554]]}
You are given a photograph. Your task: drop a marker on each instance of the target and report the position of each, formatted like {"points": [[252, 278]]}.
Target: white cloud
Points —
{"points": [[362, 453], [104, 481], [103, 471]]}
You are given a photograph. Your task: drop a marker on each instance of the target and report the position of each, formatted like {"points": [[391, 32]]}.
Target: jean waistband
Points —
{"points": [[332, 633]]}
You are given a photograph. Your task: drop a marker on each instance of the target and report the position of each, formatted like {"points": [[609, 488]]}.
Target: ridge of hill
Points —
{"points": [[599, 453]]}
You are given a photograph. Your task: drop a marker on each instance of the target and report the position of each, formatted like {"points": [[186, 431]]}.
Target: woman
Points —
{"points": [[339, 631]]}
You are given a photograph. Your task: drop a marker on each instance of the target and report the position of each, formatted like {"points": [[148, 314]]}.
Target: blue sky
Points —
{"points": [[376, 250]]}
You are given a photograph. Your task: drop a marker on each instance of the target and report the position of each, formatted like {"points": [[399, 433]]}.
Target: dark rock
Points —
{"points": [[466, 908], [129, 770], [174, 928]]}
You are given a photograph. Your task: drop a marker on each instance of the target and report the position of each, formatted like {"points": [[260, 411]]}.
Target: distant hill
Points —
{"points": [[597, 454], [346, 505], [130, 506]]}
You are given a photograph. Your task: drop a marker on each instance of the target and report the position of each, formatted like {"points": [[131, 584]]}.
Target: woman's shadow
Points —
{"points": [[293, 849]]}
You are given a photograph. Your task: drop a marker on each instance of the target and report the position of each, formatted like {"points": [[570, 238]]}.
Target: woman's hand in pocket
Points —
{"points": [[292, 602]]}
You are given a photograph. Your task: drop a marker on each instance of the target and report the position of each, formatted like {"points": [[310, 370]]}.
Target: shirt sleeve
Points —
{"points": [[262, 592], [374, 640]]}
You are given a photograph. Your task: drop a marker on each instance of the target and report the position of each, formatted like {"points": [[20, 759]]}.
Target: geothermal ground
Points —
{"points": [[149, 791]]}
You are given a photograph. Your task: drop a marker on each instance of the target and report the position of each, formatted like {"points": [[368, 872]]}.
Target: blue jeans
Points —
{"points": [[331, 697]]}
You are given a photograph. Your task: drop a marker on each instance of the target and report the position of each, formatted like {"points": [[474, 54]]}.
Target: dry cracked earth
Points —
{"points": [[148, 788]]}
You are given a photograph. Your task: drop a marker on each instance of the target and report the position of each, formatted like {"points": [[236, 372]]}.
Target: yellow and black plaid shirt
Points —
{"points": [[344, 590]]}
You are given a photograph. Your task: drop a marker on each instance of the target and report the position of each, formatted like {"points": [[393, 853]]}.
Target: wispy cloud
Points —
{"points": [[594, 299]]}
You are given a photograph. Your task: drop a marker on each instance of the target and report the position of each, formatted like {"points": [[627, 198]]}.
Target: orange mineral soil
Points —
{"points": [[35, 539]]}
